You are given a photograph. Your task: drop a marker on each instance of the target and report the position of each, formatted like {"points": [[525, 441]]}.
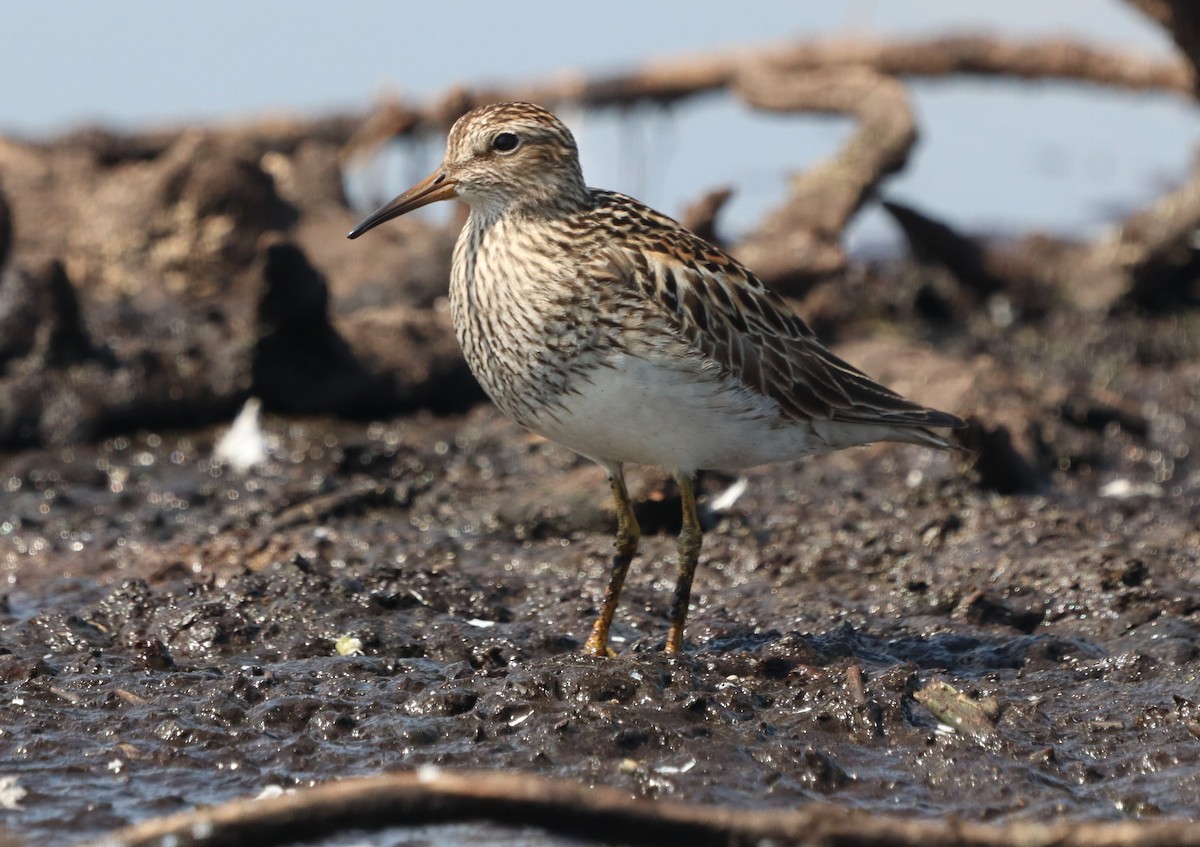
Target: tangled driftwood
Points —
{"points": [[800, 240], [669, 81], [858, 77]]}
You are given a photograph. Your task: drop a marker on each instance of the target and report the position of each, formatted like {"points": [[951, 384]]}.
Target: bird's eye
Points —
{"points": [[505, 142]]}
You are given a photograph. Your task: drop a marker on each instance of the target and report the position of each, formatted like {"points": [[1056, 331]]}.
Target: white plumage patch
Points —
{"points": [[643, 412]]}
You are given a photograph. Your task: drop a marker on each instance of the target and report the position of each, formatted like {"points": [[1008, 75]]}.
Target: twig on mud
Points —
{"points": [[360, 493], [855, 686], [1095, 276], [598, 814]]}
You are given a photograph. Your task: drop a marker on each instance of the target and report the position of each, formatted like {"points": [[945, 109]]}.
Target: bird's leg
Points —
{"points": [[689, 555], [626, 544]]}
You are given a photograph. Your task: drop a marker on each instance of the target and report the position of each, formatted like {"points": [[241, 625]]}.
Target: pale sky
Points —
{"points": [[992, 154]]}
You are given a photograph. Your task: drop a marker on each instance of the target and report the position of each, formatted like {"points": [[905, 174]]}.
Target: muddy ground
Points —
{"points": [[170, 628]]}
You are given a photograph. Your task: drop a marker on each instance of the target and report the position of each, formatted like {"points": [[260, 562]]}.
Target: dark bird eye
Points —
{"points": [[505, 142]]}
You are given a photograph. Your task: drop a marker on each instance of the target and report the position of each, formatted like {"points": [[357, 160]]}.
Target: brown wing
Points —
{"points": [[733, 319]]}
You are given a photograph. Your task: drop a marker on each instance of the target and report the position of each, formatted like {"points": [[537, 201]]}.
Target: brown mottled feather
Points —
{"points": [[746, 329]]}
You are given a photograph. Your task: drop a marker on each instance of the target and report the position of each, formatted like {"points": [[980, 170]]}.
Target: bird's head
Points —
{"points": [[497, 157]]}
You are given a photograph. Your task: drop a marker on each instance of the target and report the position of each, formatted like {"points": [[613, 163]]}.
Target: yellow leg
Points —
{"points": [[628, 534], [690, 539]]}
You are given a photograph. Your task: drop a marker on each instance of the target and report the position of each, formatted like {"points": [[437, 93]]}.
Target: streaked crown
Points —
{"points": [[514, 154]]}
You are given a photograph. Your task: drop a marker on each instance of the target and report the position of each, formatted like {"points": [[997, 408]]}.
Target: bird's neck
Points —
{"points": [[552, 202]]}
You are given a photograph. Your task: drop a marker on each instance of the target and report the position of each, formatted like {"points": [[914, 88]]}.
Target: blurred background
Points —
{"points": [[1063, 158]]}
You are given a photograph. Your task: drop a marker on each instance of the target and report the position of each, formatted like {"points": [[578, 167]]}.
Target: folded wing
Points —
{"points": [[749, 331]]}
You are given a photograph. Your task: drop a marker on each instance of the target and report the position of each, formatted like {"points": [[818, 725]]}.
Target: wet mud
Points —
{"points": [[173, 632]]}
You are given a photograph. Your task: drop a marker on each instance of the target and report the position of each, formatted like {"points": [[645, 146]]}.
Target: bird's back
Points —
{"points": [[567, 316]]}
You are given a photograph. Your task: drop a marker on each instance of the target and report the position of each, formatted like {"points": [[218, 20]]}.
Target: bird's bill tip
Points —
{"points": [[437, 186]]}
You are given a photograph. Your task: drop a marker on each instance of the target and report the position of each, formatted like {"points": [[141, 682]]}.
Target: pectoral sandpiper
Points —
{"points": [[609, 328]]}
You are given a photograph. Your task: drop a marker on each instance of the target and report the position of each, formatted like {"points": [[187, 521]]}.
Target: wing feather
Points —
{"points": [[727, 314]]}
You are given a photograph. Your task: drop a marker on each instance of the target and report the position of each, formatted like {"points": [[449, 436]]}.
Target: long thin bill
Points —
{"points": [[433, 188]]}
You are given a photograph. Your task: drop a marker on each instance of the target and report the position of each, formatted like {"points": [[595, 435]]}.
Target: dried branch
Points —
{"points": [[676, 79], [1053, 58], [1146, 235], [1181, 18], [278, 133], [599, 814], [801, 239]]}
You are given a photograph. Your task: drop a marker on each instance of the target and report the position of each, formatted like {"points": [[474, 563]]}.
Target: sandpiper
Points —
{"points": [[607, 327]]}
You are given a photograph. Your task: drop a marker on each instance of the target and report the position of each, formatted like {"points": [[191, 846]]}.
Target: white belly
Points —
{"points": [[646, 413]]}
